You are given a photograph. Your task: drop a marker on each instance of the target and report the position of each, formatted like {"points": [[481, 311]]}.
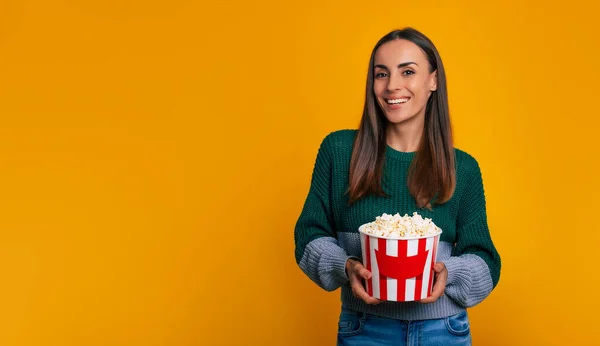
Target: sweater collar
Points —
{"points": [[399, 155]]}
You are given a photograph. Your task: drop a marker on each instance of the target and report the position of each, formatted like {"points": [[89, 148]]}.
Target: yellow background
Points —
{"points": [[155, 156]]}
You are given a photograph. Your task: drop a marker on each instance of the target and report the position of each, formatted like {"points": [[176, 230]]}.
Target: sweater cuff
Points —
{"points": [[457, 271], [469, 280], [337, 267]]}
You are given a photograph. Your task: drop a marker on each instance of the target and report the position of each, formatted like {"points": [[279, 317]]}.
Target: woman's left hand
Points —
{"points": [[441, 275]]}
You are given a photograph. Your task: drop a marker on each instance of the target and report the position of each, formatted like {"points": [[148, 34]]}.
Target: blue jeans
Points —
{"points": [[357, 328]]}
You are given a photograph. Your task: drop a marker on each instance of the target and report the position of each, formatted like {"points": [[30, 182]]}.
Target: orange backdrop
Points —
{"points": [[155, 156]]}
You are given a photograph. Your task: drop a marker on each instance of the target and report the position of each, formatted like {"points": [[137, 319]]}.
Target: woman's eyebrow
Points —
{"points": [[404, 64]]}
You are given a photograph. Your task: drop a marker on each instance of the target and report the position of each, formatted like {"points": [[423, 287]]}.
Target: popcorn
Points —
{"points": [[400, 252], [396, 226]]}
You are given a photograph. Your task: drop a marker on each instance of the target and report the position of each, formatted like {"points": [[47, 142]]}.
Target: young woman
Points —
{"points": [[400, 160]]}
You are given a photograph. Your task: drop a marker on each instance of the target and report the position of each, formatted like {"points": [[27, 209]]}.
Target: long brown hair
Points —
{"points": [[432, 173]]}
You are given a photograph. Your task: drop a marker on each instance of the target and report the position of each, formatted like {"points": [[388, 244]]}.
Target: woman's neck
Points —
{"points": [[404, 137]]}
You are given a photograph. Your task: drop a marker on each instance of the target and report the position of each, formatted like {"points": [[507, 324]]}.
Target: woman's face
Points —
{"points": [[402, 81]]}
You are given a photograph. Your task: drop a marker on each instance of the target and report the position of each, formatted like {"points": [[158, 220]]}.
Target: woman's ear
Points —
{"points": [[434, 82]]}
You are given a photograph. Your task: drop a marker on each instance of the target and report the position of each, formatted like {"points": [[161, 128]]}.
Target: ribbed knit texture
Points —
{"points": [[327, 229]]}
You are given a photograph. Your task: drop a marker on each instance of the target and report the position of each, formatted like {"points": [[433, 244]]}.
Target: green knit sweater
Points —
{"points": [[326, 233]]}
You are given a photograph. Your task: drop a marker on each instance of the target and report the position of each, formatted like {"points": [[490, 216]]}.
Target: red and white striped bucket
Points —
{"points": [[401, 268]]}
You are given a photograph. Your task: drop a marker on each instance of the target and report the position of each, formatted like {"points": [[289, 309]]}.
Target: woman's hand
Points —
{"points": [[441, 275], [356, 273]]}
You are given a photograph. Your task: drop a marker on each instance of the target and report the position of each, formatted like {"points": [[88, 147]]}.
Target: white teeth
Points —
{"points": [[396, 101]]}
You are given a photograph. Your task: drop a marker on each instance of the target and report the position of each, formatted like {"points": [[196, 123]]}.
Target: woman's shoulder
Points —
{"points": [[465, 162], [462, 155], [340, 138]]}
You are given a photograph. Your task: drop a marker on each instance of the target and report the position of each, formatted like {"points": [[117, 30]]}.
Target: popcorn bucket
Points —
{"points": [[401, 268]]}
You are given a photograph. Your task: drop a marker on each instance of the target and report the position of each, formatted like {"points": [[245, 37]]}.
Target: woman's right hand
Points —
{"points": [[356, 273]]}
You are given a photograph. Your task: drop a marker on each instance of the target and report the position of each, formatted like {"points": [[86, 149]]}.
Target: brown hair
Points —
{"points": [[432, 173]]}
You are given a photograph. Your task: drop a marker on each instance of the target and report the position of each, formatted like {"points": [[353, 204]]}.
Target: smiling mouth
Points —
{"points": [[397, 101]]}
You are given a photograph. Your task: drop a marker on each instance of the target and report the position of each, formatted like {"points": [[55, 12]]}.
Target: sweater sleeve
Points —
{"points": [[474, 267], [316, 247]]}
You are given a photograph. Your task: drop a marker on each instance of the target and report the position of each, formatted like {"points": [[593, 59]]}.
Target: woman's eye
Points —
{"points": [[408, 72], [380, 75]]}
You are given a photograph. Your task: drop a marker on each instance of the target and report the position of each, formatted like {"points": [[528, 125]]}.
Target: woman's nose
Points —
{"points": [[394, 83]]}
